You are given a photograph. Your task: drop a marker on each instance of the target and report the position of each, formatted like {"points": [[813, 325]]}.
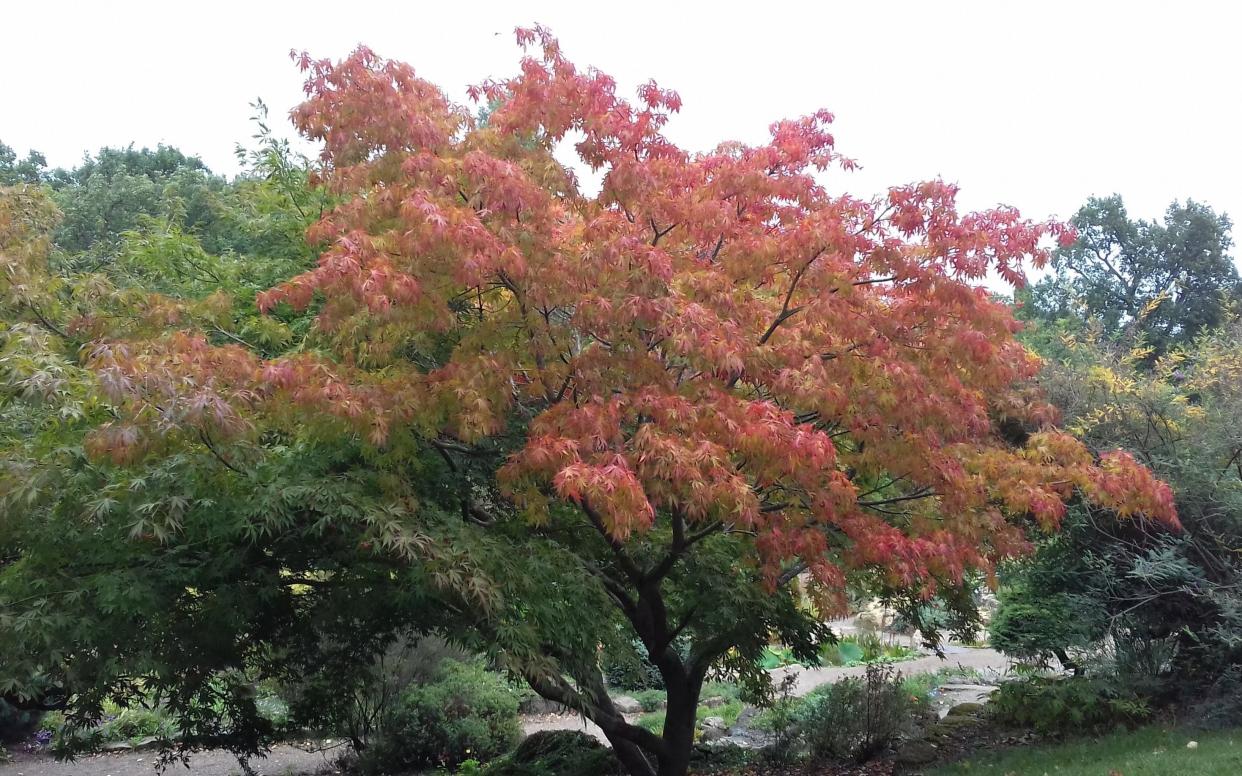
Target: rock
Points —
{"points": [[627, 705], [957, 721], [1192, 744], [917, 753], [713, 702], [712, 729], [538, 705], [979, 688], [965, 710]]}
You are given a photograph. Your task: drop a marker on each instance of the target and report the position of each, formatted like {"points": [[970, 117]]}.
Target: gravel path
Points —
{"points": [[988, 662], [288, 761], [283, 761], [985, 661]]}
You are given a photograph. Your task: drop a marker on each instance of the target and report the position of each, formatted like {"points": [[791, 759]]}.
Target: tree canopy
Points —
{"points": [[1164, 282]]}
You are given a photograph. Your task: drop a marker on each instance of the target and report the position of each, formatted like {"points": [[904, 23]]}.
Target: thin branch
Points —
{"points": [[897, 499], [207, 441], [627, 564]]}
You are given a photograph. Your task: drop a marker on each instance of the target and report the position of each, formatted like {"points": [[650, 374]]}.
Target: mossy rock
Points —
{"points": [[965, 710], [558, 753]]}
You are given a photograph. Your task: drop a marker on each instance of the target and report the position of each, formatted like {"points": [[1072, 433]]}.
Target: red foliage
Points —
{"points": [[712, 335]]}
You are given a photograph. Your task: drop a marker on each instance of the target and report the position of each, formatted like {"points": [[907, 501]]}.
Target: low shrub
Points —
{"points": [[1078, 704], [856, 719], [628, 667], [129, 724], [466, 713], [650, 700], [557, 753]]}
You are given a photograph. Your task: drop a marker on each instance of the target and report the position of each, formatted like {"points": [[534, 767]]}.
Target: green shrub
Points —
{"points": [[466, 713], [845, 652], [136, 723], [650, 700], [129, 724], [628, 668], [1062, 706], [557, 753], [856, 719], [275, 710], [1036, 624]]}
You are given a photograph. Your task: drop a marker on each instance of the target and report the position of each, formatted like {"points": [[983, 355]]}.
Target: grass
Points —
{"points": [[728, 711], [922, 685], [1150, 751]]}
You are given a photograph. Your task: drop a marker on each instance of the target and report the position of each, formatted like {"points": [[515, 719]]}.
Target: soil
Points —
{"points": [[283, 761]]}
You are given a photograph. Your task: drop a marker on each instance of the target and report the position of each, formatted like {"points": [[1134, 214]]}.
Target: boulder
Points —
{"points": [[965, 710], [537, 705], [712, 728], [627, 705]]}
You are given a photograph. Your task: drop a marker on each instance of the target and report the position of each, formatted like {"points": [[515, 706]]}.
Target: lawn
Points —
{"points": [[1151, 751]]}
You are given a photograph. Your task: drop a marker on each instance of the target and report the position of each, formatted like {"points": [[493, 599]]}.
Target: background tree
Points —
{"points": [[1163, 282], [1162, 605], [32, 169], [111, 192]]}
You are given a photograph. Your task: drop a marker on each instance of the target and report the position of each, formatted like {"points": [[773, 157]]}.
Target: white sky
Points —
{"points": [[1032, 104]]}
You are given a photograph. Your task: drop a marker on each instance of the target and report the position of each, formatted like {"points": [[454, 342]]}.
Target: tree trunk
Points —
{"points": [[631, 756], [679, 721]]}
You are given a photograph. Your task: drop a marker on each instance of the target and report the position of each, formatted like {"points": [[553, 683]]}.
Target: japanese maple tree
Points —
{"points": [[704, 384]]}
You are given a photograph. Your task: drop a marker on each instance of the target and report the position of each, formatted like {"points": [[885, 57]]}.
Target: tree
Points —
{"points": [[112, 192], [1164, 282], [165, 585], [647, 414], [29, 170], [1162, 604]]}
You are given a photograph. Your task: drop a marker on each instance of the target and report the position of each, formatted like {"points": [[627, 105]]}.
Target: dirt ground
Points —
{"points": [[283, 761]]}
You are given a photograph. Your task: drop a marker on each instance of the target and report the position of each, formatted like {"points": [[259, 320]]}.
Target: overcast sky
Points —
{"points": [[1032, 104]]}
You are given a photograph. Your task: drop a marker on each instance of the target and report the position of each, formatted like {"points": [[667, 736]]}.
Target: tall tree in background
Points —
{"points": [[32, 169], [1165, 282]]}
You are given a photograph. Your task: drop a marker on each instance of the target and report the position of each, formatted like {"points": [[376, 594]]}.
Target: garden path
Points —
{"points": [[289, 761]]}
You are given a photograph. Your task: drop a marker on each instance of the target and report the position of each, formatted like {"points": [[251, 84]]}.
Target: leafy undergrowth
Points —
{"points": [[1150, 751], [847, 651]]}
